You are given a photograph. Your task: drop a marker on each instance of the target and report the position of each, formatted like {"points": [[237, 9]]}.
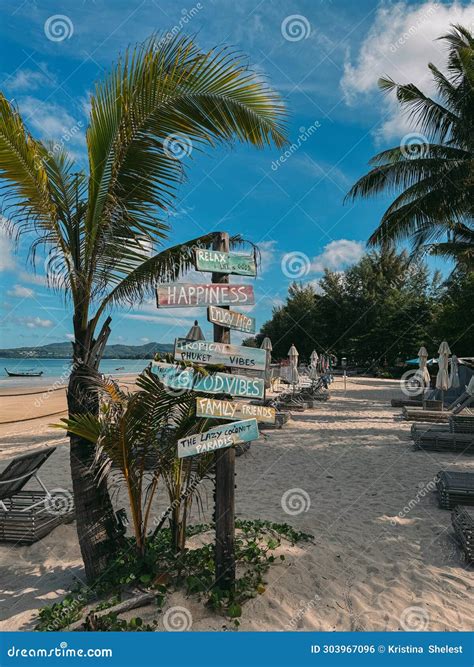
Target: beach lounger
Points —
{"points": [[419, 414], [444, 441], [462, 519], [454, 488], [27, 516], [462, 423]]}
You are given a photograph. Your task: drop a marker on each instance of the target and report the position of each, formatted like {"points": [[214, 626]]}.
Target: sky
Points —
{"points": [[323, 56]]}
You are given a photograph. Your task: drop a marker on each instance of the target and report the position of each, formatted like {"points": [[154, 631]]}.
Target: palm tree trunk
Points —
{"points": [[97, 525]]}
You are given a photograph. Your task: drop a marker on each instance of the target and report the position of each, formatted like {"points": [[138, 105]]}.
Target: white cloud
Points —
{"points": [[70, 336], [400, 44], [52, 122], [338, 255], [7, 263], [32, 278], [28, 79], [145, 339], [161, 319], [267, 255], [35, 322], [21, 292]]}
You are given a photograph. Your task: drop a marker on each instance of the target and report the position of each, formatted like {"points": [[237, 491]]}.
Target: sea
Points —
{"points": [[57, 370]]}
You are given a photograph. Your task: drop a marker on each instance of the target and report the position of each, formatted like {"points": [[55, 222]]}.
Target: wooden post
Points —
{"points": [[225, 471]]}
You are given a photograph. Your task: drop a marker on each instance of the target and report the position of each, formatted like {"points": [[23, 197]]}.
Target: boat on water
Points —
{"points": [[26, 374], [120, 368]]}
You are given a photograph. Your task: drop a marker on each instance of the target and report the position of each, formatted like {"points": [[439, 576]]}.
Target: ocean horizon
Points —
{"points": [[58, 370]]}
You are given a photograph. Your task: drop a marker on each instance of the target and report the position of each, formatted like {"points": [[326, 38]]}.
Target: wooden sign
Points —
{"points": [[233, 356], [225, 262], [214, 408], [179, 295], [231, 319], [218, 437], [184, 379]]}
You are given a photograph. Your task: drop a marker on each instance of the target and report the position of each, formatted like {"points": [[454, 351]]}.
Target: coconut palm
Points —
{"points": [[435, 168], [136, 436], [101, 226]]}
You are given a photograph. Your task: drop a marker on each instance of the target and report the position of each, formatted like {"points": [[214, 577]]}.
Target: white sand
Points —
{"points": [[373, 565]]}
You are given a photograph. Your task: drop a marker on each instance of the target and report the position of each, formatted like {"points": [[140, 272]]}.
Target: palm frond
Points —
{"points": [[159, 92]]}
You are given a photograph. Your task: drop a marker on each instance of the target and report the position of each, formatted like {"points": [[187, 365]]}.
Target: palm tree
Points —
{"points": [[99, 226], [436, 170], [136, 435]]}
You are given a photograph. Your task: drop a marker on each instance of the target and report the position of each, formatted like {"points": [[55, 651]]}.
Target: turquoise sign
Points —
{"points": [[184, 379], [218, 437]]}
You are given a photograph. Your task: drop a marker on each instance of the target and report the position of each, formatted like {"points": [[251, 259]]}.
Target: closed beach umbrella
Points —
{"points": [[293, 357], [268, 347], [422, 372], [442, 379], [454, 382], [313, 366], [195, 332]]}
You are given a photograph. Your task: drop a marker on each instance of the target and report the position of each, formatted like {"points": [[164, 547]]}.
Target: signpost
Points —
{"points": [[225, 262], [233, 356], [218, 296], [217, 409], [182, 295], [218, 438], [231, 319], [184, 379]]}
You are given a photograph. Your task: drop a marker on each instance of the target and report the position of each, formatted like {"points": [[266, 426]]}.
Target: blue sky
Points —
{"points": [[324, 57]]}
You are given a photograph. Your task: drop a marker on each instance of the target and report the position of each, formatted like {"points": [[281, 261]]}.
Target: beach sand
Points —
{"points": [[383, 557]]}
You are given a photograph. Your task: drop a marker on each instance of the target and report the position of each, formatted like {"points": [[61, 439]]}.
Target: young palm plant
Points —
{"points": [[437, 176], [135, 437], [103, 226]]}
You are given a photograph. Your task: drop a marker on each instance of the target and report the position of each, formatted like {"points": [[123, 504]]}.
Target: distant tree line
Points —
{"points": [[377, 314]]}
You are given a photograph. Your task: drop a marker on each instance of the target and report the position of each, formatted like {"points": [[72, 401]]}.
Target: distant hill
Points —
{"points": [[64, 351]]}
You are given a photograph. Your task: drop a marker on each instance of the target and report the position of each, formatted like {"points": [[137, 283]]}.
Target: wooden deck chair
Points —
{"points": [[28, 515], [19, 472], [418, 414]]}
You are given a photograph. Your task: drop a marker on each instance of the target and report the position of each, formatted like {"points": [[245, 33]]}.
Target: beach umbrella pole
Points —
{"points": [[225, 471]]}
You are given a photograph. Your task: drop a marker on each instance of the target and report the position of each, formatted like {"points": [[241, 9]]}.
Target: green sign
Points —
{"points": [[220, 354], [184, 379], [218, 437], [225, 262]]}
